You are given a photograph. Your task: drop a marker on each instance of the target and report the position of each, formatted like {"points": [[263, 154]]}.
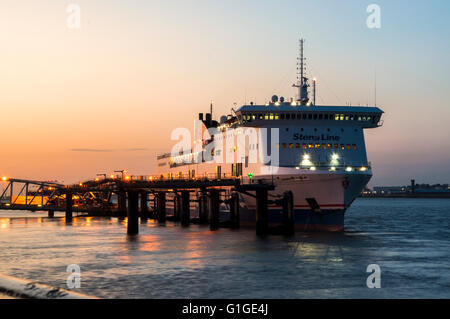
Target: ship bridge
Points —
{"points": [[287, 112]]}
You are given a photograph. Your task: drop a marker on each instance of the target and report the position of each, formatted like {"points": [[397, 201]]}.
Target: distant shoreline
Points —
{"points": [[405, 196]]}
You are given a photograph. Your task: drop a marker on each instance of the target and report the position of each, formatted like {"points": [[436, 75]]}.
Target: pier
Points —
{"points": [[146, 197]]}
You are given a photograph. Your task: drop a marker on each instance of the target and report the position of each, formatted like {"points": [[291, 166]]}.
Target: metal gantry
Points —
{"points": [[21, 194]]}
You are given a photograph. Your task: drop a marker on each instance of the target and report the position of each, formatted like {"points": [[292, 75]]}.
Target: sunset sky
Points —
{"points": [[77, 102]]}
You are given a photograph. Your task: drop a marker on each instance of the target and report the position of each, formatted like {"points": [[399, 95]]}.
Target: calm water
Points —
{"points": [[408, 238]]}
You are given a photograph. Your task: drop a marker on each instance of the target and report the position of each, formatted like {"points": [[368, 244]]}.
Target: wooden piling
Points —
{"points": [[161, 207], [133, 217], [122, 204], [288, 214], [51, 213], [154, 212], [214, 209], [144, 205], [262, 217], [69, 206], [203, 208], [185, 209], [234, 210], [177, 207]]}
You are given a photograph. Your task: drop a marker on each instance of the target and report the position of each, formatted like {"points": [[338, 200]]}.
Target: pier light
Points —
{"points": [[4, 178], [297, 167], [363, 169], [332, 168], [80, 184], [313, 168], [127, 177], [335, 156], [97, 179], [112, 176], [349, 169], [150, 178]]}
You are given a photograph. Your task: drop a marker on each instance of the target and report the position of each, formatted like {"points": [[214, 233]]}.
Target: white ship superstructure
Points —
{"points": [[321, 155]]}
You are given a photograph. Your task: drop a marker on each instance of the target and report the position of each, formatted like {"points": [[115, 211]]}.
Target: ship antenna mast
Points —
{"points": [[211, 108], [302, 81], [302, 59]]}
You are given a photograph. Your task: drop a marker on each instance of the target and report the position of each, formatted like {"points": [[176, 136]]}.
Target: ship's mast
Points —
{"points": [[302, 81], [302, 59], [211, 108]]}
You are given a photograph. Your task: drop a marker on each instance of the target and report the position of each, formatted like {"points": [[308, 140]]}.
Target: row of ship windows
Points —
{"points": [[305, 116], [318, 146]]}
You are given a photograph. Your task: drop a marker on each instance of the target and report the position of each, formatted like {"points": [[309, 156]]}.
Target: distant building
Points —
{"points": [[389, 189], [411, 189]]}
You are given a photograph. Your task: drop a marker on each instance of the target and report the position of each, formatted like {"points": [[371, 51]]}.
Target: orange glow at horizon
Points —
{"points": [[76, 103]]}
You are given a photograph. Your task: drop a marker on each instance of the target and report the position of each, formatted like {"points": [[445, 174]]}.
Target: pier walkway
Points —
{"points": [[146, 197]]}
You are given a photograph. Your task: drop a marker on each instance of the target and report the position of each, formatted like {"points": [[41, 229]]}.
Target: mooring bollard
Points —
{"points": [[69, 204], [51, 213], [144, 205], [214, 209], [234, 210], [262, 218], [133, 217], [185, 208], [161, 207]]}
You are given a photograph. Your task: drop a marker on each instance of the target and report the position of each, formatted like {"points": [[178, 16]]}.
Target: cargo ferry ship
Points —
{"points": [[316, 151]]}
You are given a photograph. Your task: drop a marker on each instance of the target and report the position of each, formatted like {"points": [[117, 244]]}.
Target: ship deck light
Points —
{"points": [[306, 160]]}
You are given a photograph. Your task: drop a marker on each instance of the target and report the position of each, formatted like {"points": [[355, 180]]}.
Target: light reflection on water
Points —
{"points": [[175, 262]]}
